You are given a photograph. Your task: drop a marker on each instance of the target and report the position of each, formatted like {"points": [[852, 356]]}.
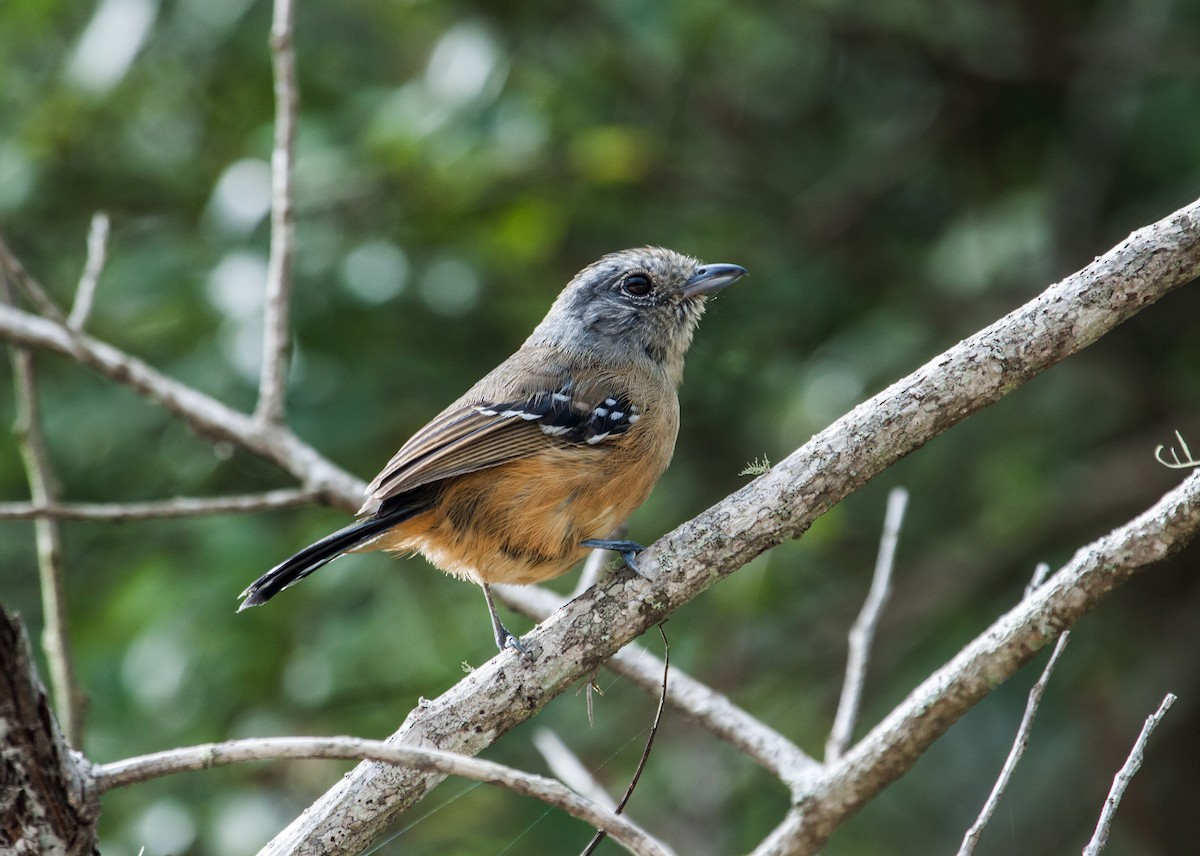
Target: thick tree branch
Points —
{"points": [[47, 803], [781, 504]]}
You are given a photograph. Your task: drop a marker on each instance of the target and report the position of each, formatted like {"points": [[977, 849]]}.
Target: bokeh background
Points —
{"points": [[894, 175]]}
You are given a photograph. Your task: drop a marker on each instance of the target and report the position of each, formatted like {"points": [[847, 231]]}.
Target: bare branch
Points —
{"points": [[1121, 781], [183, 506], [1020, 743], [143, 768], [277, 342], [97, 249], [891, 748], [202, 413], [863, 631], [56, 637], [781, 504]]}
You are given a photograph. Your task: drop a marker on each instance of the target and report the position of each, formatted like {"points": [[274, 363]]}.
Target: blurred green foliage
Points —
{"points": [[895, 176]]}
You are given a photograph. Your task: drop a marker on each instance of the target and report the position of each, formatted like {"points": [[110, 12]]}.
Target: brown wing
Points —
{"points": [[481, 430]]}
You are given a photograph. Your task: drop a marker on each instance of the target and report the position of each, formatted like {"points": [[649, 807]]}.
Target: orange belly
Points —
{"points": [[523, 522]]}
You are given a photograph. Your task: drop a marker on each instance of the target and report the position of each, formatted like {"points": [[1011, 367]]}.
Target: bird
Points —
{"points": [[547, 455]]}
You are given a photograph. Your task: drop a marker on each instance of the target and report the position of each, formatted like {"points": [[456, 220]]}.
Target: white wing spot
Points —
{"points": [[592, 441]]}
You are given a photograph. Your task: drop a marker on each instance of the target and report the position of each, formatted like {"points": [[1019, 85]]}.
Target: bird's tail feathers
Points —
{"points": [[315, 556]]}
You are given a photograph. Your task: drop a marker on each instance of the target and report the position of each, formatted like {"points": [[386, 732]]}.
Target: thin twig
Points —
{"points": [[134, 770], [97, 250], [637, 774], [277, 342], [1040, 572], [698, 702], [863, 631], [184, 506], [1020, 743], [566, 765], [56, 636], [1121, 781]]}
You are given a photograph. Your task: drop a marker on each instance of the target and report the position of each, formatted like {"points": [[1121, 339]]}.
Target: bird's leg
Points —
{"points": [[504, 639], [628, 550]]}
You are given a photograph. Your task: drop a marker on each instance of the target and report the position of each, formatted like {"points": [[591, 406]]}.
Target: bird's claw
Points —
{"points": [[627, 550]]}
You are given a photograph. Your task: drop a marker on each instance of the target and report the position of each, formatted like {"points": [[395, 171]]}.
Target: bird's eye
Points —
{"points": [[637, 284]]}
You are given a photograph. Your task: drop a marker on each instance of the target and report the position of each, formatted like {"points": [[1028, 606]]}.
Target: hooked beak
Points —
{"points": [[712, 278]]}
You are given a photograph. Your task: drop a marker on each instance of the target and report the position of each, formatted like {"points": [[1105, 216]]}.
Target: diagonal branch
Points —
{"points": [[1121, 780], [277, 341], [862, 633], [894, 745], [783, 503], [202, 413]]}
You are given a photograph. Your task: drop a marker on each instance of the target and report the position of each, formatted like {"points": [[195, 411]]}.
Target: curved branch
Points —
{"points": [[781, 504], [143, 768]]}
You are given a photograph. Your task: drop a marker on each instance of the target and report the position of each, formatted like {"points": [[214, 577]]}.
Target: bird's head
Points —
{"points": [[633, 306]]}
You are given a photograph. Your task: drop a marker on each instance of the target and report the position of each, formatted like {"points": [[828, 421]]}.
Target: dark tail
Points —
{"points": [[290, 571]]}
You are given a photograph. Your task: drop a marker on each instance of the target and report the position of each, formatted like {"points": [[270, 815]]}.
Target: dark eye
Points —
{"points": [[637, 284]]}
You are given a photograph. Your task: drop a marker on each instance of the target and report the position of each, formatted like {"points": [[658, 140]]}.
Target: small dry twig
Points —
{"points": [[183, 506], [1121, 781], [97, 250], [277, 342], [1021, 740], [863, 631], [637, 774]]}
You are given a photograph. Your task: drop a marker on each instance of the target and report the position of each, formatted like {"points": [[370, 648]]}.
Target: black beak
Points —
{"points": [[711, 278]]}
